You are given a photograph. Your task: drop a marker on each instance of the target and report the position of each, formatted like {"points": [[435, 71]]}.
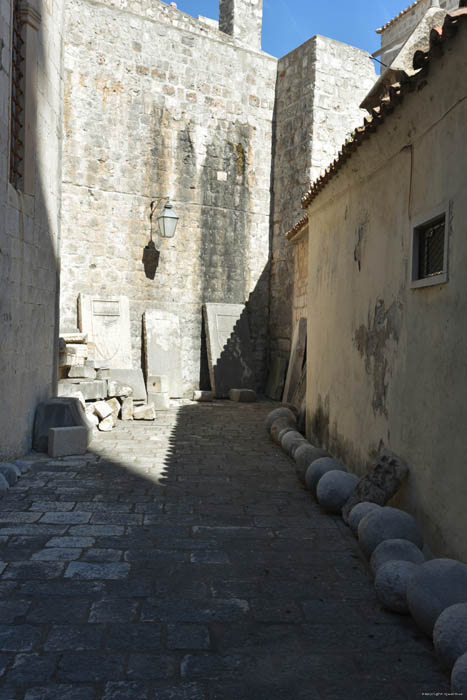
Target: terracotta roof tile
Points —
{"points": [[396, 93], [397, 17], [299, 226]]}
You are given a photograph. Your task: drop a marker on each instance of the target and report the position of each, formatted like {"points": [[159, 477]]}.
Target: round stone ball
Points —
{"points": [[281, 424], [291, 440], [320, 467], [450, 634], [334, 489], [360, 511], [281, 412], [392, 579], [387, 524], [437, 585], [305, 455], [459, 675], [395, 550]]}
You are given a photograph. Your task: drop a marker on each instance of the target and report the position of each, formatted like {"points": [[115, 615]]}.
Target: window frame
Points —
{"points": [[422, 222]]}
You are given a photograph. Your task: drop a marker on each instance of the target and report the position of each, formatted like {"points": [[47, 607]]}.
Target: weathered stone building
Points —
{"points": [[387, 292]]}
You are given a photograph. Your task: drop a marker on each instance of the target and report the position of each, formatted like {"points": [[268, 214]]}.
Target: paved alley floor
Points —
{"points": [[183, 560]]}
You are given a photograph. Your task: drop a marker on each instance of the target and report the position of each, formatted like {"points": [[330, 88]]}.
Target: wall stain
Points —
{"points": [[361, 239], [371, 342]]}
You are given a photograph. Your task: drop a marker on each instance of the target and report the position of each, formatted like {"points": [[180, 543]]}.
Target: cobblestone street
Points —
{"points": [[183, 560]]}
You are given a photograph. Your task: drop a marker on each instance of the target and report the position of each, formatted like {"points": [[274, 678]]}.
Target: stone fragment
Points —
{"points": [[282, 412], [106, 424], [391, 584], [320, 467], [102, 409], [74, 338], [64, 442], [436, 585], [106, 320], [83, 372], [291, 441], [459, 676], [144, 412], [133, 378], [387, 524], [163, 348], [116, 388], [127, 408], [203, 396], [281, 424], [158, 384], [10, 471], [242, 395], [103, 373], [450, 634], [115, 406], [92, 391], [395, 550], [57, 413], [276, 379], [230, 355], [358, 512], [334, 488], [160, 400], [381, 484]]}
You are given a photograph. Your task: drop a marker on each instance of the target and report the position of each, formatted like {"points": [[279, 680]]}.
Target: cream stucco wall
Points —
{"points": [[387, 363]]}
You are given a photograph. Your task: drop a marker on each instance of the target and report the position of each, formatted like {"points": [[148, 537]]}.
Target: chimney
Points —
{"points": [[242, 19]]}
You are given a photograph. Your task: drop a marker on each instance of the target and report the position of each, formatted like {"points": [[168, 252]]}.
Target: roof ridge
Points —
{"points": [[389, 102]]}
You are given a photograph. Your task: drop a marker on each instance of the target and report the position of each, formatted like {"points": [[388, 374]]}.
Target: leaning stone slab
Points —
{"points": [[276, 379], [242, 395], [435, 586], [106, 320], [163, 348], [58, 413], [203, 396], [297, 355], [92, 391], [133, 378], [144, 413], [230, 355], [64, 442], [450, 634], [381, 484]]}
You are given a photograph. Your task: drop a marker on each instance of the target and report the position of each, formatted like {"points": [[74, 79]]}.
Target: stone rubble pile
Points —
{"points": [[103, 392], [433, 592]]}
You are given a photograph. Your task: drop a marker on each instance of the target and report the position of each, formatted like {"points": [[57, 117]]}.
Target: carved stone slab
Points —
{"points": [[230, 355], [276, 379], [106, 320], [380, 484], [163, 348], [297, 356]]}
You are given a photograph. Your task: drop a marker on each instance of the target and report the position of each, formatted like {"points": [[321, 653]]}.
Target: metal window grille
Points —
{"points": [[17, 102], [431, 248]]}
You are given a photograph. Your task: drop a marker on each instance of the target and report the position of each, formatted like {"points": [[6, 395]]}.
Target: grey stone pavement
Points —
{"points": [[182, 560]]}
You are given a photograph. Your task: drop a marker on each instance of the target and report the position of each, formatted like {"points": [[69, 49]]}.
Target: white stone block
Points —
{"points": [[102, 409], [159, 399], [64, 442], [158, 383], [144, 412], [107, 424]]}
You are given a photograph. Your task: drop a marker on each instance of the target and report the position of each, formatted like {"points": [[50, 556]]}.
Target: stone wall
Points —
{"points": [[243, 20], [386, 360], [29, 225], [319, 88], [158, 103]]}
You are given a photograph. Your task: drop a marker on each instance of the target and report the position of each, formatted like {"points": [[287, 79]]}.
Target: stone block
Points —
{"points": [[77, 349], [334, 488], [103, 373], [127, 409], [115, 406], [435, 586], [116, 388], [106, 320], [242, 395], [133, 378], [163, 348], [102, 409], [64, 442], [67, 359], [391, 583], [229, 350], [144, 412], [203, 396], [82, 372], [158, 384], [91, 391], [106, 424], [276, 378], [61, 412], [74, 338], [450, 634], [381, 483], [159, 399]]}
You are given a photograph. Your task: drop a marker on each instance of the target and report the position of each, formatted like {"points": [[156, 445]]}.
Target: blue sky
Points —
{"points": [[288, 23]]}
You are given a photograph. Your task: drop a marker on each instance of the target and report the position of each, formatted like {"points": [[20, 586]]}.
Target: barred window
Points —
{"points": [[429, 252], [17, 115]]}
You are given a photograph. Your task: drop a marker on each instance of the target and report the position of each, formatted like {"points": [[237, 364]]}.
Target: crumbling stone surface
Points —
{"points": [[381, 484]]}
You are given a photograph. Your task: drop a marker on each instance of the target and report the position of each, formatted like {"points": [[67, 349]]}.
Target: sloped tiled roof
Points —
{"points": [[299, 226], [390, 102], [397, 17]]}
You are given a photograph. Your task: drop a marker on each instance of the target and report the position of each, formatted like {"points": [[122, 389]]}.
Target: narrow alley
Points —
{"points": [[183, 560]]}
